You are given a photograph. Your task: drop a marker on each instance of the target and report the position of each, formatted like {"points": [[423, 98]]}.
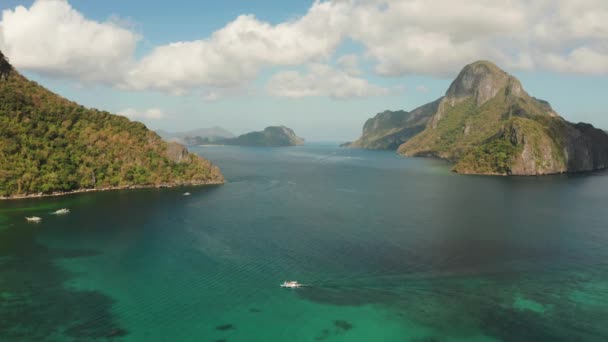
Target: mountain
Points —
{"points": [[197, 136], [389, 129], [273, 136], [49, 144], [488, 124]]}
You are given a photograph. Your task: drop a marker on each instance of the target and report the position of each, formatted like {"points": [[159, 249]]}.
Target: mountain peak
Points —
{"points": [[271, 136], [483, 80]]}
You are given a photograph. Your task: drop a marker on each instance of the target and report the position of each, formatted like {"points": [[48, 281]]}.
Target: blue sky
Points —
{"points": [[321, 68]]}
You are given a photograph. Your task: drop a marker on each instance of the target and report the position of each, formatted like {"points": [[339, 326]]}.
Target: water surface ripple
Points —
{"points": [[393, 249]]}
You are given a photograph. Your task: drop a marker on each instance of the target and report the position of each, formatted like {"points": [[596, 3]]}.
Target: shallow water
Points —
{"points": [[392, 249]]}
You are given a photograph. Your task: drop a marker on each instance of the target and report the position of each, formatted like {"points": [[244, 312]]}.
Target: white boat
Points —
{"points": [[62, 211], [33, 219], [186, 194], [291, 284]]}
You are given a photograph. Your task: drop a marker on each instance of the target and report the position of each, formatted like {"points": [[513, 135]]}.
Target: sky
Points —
{"points": [[319, 67]]}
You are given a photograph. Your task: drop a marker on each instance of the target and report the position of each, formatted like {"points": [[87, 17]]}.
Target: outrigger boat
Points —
{"points": [[33, 219], [186, 194], [62, 211], [291, 284]]}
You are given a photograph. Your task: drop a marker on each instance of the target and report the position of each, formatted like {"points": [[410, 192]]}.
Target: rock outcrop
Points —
{"points": [[389, 129], [273, 136], [488, 124], [177, 153]]}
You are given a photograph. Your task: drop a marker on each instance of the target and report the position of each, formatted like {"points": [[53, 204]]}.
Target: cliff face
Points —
{"points": [[49, 144], [389, 129], [273, 136], [487, 124]]}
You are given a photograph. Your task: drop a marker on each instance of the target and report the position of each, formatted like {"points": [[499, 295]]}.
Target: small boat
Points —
{"points": [[291, 284], [186, 194], [62, 211], [33, 219]]}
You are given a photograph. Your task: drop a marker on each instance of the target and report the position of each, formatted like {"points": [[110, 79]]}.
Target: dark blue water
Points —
{"points": [[393, 249]]}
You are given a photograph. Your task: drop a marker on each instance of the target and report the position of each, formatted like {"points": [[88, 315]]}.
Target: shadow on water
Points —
{"points": [[513, 307], [34, 303], [339, 327]]}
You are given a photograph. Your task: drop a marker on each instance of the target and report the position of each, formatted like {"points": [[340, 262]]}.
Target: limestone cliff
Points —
{"points": [[273, 136], [488, 124], [389, 129]]}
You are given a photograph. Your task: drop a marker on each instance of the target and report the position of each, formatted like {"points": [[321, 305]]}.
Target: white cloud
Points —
{"points": [[53, 39], [236, 53], [350, 64], [322, 80], [580, 60], [439, 37], [134, 114], [398, 37]]}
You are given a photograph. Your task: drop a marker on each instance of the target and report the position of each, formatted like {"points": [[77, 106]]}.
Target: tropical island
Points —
{"points": [[488, 124], [50, 146], [272, 136], [200, 136]]}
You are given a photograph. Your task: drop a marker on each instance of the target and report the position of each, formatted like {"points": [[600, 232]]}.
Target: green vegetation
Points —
{"points": [[488, 124], [494, 157], [389, 129], [49, 144], [273, 136], [461, 128], [477, 137]]}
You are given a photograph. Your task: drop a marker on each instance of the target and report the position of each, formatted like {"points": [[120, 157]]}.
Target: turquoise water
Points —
{"points": [[393, 249]]}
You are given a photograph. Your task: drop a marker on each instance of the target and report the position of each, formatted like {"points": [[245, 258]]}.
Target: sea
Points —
{"points": [[388, 249]]}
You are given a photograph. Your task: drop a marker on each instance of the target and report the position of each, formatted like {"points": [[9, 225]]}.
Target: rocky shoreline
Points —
{"points": [[129, 187]]}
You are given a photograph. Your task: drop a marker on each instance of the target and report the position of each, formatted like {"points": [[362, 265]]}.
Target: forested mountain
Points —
{"points": [[50, 144], [198, 136], [272, 136], [486, 123]]}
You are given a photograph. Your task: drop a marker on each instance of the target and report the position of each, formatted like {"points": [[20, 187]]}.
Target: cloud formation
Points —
{"points": [[237, 52], [438, 37], [53, 39], [322, 80], [399, 37]]}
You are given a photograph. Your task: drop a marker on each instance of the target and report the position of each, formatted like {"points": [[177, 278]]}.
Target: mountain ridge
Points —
{"points": [[50, 146], [389, 129], [486, 123], [197, 136], [271, 136]]}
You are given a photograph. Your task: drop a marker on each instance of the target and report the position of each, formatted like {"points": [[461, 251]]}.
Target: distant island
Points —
{"points": [[50, 145], [273, 136], [488, 124], [195, 137]]}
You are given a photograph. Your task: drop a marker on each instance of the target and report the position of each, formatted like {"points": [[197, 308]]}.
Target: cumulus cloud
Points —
{"points": [[322, 80], [53, 39], [398, 37], [134, 114], [439, 37], [237, 52], [350, 64]]}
